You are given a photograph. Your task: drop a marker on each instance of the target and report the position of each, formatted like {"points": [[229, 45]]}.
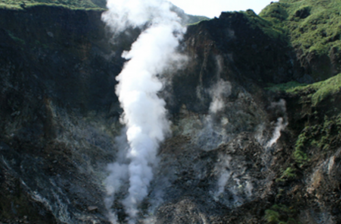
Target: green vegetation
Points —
{"points": [[71, 4], [266, 26], [280, 214], [197, 22], [288, 174], [321, 131], [193, 20], [313, 26], [319, 91], [324, 136], [283, 86], [187, 20], [17, 39], [325, 89], [271, 216], [9, 6], [84, 5], [300, 157]]}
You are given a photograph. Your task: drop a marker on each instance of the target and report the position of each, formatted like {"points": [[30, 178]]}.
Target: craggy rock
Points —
{"points": [[58, 80], [205, 186]]}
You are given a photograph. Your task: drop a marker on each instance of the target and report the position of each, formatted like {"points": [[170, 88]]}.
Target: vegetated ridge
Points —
{"points": [[314, 31]]}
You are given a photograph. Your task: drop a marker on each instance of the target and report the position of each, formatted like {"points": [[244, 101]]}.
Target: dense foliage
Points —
{"points": [[313, 25]]}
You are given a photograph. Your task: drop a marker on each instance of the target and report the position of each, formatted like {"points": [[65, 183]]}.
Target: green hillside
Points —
{"points": [[313, 25], [86, 4], [73, 4]]}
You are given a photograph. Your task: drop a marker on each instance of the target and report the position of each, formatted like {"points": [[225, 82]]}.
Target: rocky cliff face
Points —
{"points": [[58, 74], [234, 153]]}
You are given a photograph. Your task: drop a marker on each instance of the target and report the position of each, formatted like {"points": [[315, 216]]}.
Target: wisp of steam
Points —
{"points": [[144, 112], [281, 123]]}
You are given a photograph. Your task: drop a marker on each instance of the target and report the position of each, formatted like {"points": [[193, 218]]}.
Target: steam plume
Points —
{"points": [[281, 123], [221, 90], [277, 132], [144, 113]]}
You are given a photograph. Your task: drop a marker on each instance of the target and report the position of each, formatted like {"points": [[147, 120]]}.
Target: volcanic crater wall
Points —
{"points": [[59, 122]]}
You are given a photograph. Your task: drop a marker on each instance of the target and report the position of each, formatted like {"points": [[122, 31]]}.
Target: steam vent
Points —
{"points": [[133, 112]]}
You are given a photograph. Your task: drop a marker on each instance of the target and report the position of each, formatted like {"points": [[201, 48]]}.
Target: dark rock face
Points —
{"points": [[54, 53], [58, 78], [59, 117], [232, 48], [247, 51]]}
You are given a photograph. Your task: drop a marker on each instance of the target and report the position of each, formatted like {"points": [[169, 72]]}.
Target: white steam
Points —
{"points": [[225, 175], [136, 13], [144, 112], [118, 175], [114, 182], [281, 123], [277, 132], [221, 90], [214, 124]]}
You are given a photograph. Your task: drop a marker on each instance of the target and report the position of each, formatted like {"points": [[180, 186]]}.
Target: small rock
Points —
{"points": [[50, 34], [92, 208]]}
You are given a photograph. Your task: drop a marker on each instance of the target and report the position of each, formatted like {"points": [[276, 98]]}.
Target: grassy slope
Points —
{"points": [[192, 19], [319, 91], [266, 26], [85, 5], [72, 4], [313, 25]]}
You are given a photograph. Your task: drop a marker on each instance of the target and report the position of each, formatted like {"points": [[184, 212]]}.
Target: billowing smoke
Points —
{"points": [[144, 112]]}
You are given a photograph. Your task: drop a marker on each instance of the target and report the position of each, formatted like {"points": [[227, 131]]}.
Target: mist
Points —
{"points": [[221, 90]]}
